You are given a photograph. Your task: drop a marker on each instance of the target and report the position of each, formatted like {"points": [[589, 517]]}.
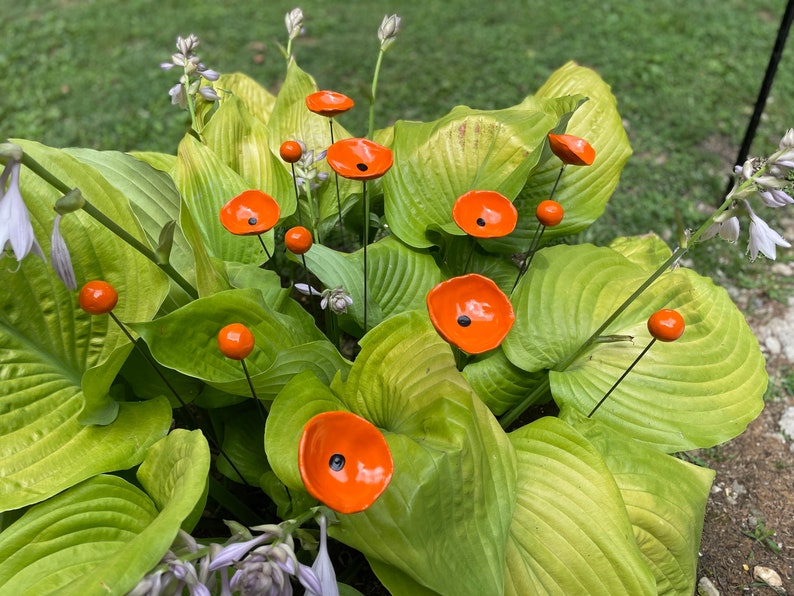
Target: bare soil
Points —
{"points": [[753, 492]]}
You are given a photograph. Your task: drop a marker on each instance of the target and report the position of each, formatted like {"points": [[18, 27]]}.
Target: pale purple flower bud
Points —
{"points": [[747, 169], [208, 93], [59, 254], [388, 30], [763, 239], [322, 566], [210, 75], [16, 231], [307, 290], [787, 142], [294, 22], [234, 552], [775, 197], [186, 45], [167, 65], [337, 300]]}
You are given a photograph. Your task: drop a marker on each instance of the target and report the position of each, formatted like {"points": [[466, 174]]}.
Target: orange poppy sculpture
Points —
{"points": [[344, 461], [328, 103], [485, 214], [250, 213], [359, 159], [572, 150], [470, 312]]}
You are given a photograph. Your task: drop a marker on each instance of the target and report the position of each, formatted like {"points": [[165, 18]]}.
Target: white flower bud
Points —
{"points": [[294, 22], [388, 30]]}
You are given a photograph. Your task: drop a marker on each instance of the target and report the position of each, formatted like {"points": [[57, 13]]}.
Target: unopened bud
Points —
{"points": [[70, 202], [388, 30]]}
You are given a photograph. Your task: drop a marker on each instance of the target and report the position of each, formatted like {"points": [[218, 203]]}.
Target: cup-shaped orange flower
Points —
{"points": [[572, 150], [485, 214], [359, 159], [251, 212], [328, 103], [470, 312], [344, 461]]}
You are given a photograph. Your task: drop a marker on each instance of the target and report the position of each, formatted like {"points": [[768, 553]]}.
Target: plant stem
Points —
{"points": [[373, 95], [103, 219], [512, 415], [679, 253], [315, 217]]}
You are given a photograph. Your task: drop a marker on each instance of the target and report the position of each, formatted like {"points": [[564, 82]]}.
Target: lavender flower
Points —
{"points": [[322, 567], [16, 231], [763, 239], [193, 72], [306, 168], [59, 253]]}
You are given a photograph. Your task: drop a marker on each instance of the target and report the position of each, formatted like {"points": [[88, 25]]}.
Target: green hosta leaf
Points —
{"points": [[165, 162], [443, 520], [186, 340], [206, 185], [101, 536], [501, 384], [571, 533], [666, 502], [399, 277], [436, 162], [258, 100], [583, 190], [292, 120], [154, 201], [241, 142], [696, 392], [58, 361], [243, 442]]}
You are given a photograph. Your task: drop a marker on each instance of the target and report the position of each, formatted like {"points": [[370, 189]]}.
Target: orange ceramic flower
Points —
{"points": [[328, 103], [470, 312], [572, 150], [250, 212], [485, 214], [359, 159], [235, 341], [344, 461], [98, 297]]}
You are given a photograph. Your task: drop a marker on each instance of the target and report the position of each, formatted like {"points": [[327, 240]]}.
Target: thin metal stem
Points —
{"points": [[623, 376], [259, 405], [338, 199], [366, 242], [297, 195], [533, 246], [192, 423], [262, 242]]}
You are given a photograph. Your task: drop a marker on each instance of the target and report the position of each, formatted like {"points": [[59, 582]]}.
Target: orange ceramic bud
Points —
{"points": [[359, 159], [250, 212], [235, 341], [549, 213], [298, 240], [485, 214], [290, 151], [328, 103], [666, 325], [344, 461], [470, 312], [572, 150], [98, 297]]}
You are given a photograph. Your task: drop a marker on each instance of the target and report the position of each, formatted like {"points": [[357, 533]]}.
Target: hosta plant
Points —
{"points": [[305, 324]]}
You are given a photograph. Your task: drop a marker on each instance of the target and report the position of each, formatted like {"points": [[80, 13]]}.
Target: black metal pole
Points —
{"points": [[766, 86]]}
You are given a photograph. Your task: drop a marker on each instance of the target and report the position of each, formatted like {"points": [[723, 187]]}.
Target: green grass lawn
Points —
{"points": [[85, 72]]}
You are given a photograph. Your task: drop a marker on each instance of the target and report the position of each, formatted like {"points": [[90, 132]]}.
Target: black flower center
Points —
{"points": [[252, 221], [480, 222], [362, 167], [464, 321], [337, 462]]}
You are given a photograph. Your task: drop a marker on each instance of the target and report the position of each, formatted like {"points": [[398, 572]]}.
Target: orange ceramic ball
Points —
{"points": [[666, 325], [298, 240], [98, 297], [235, 341]]}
